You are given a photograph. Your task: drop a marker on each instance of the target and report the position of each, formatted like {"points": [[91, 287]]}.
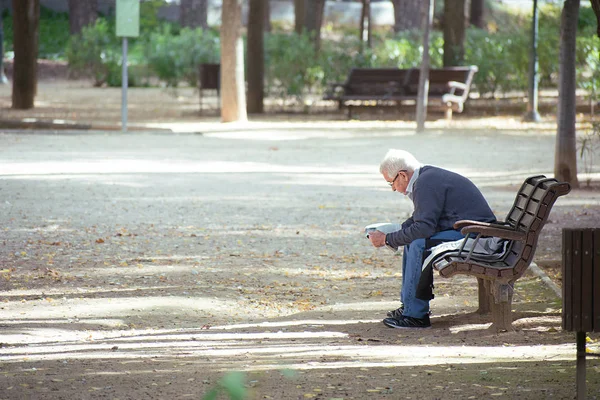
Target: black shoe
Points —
{"points": [[397, 313], [408, 322]]}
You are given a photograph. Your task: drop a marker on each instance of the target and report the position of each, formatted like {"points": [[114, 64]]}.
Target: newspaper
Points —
{"points": [[385, 227]]}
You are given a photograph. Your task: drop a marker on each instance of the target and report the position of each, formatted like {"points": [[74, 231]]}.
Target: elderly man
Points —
{"points": [[440, 198]]}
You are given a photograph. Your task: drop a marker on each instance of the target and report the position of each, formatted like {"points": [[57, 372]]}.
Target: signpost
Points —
{"points": [[128, 25]]}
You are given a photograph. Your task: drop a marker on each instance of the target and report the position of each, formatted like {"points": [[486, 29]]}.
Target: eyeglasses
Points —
{"points": [[396, 177]]}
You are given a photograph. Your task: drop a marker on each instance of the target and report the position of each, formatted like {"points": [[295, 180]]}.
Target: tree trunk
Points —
{"points": [[26, 19], [193, 13], [81, 14], [299, 14], [455, 22], [407, 14], [596, 7], [3, 79], [477, 13], [233, 87], [256, 19], [565, 162], [313, 18]]}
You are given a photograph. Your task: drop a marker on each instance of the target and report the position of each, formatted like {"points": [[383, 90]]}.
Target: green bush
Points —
{"points": [[336, 58], [502, 59], [53, 34], [96, 53], [176, 57], [291, 66], [588, 57]]}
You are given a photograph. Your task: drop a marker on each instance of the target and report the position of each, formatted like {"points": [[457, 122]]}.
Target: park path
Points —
{"points": [[145, 264]]}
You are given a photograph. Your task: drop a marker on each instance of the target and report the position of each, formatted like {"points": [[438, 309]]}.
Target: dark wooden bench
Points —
{"points": [[521, 229], [448, 88]]}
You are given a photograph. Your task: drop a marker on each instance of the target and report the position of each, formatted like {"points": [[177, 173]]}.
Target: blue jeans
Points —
{"points": [[412, 262]]}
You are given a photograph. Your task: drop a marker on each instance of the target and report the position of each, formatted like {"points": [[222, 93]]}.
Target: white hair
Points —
{"points": [[397, 160]]}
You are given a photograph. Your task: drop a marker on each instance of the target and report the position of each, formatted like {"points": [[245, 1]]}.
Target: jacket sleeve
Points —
{"points": [[408, 222], [429, 203]]}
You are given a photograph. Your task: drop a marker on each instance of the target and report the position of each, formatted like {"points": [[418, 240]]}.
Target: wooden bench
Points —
{"points": [[521, 229], [448, 88]]}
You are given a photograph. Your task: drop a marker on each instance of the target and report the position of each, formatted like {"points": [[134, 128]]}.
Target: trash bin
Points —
{"points": [[581, 291], [209, 77]]}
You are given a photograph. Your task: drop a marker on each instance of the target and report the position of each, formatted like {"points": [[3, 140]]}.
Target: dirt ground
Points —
{"points": [[149, 265]]}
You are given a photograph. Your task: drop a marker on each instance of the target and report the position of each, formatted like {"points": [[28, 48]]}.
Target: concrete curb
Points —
{"points": [[61, 125], [542, 275]]}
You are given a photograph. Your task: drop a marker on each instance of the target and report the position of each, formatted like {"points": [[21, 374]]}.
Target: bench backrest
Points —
{"points": [[405, 82], [529, 214], [376, 81]]}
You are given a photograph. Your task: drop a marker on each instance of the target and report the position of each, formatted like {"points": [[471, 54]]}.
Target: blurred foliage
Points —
{"points": [[54, 33], [291, 64], [294, 68], [176, 57], [97, 53], [233, 385]]}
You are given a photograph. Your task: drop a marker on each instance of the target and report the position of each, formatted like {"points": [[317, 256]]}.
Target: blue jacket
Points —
{"points": [[440, 198]]}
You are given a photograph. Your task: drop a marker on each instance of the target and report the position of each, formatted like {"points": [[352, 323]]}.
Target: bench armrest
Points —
{"points": [[454, 85], [457, 85], [466, 222], [494, 230]]}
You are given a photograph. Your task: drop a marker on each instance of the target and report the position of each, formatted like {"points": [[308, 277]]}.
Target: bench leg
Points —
{"points": [[484, 296], [501, 307], [449, 111]]}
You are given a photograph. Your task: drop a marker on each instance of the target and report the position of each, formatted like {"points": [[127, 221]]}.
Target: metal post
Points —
{"points": [[426, 20], [124, 84], [581, 365], [532, 102]]}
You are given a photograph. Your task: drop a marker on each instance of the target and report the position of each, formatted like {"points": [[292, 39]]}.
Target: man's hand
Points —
{"points": [[377, 238]]}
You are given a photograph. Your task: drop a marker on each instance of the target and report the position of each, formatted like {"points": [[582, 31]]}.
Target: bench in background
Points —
{"points": [[448, 88]]}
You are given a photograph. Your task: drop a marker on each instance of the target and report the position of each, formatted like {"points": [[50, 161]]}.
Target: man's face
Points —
{"points": [[398, 182]]}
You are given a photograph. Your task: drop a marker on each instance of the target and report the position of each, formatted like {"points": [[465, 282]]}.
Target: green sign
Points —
{"points": [[128, 18]]}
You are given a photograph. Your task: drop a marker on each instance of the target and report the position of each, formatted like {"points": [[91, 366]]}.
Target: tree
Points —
{"points": [[26, 21], [477, 13], [82, 13], [313, 18], [233, 88], [596, 8], [406, 14], [565, 160], [194, 13], [299, 14], [455, 23], [3, 79], [256, 61]]}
